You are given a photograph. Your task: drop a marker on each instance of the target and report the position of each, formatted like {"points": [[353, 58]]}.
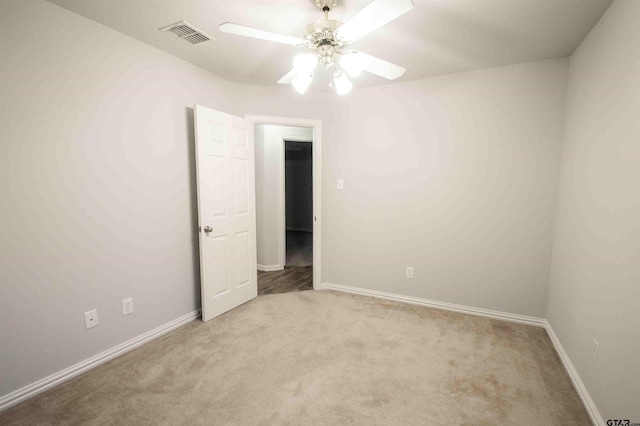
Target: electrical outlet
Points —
{"points": [[91, 319], [410, 272], [594, 350], [127, 306]]}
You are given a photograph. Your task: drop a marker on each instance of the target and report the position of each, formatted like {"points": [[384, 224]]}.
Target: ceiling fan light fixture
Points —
{"points": [[342, 83], [304, 63], [302, 82], [328, 39], [352, 64]]}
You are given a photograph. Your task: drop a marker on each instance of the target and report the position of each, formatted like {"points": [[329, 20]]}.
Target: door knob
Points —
{"points": [[208, 229]]}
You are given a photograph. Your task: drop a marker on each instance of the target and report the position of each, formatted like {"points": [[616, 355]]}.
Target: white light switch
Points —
{"points": [[340, 183]]}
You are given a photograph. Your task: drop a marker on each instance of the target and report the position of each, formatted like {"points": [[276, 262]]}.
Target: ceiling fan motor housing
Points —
{"points": [[322, 38]]}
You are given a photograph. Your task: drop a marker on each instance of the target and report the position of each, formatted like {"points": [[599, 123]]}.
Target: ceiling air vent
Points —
{"points": [[187, 32]]}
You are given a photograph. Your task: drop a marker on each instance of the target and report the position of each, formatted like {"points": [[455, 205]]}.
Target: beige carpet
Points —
{"points": [[324, 358]]}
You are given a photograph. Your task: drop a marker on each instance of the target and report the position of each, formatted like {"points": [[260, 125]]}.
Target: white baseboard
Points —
{"points": [[270, 268], [83, 366], [41, 385], [588, 403], [505, 316]]}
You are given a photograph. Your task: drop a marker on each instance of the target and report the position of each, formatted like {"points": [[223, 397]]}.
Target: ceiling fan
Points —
{"points": [[329, 39]]}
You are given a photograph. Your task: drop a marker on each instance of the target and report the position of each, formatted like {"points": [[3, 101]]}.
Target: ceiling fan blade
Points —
{"points": [[380, 67], [230, 28], [372, 17], [288, 77]]}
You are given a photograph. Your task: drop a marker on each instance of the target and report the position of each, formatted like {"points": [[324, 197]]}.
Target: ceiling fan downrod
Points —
{"points": [[326, 5]]}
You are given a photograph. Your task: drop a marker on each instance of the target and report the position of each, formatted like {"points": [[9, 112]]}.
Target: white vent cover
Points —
{"points": [[187, 32]]}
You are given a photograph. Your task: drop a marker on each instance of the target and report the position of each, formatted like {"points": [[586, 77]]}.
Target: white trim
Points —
{"points": [[70, 372], [505, 316], [282, 207], [588, 403], [39, 386], [317, 181], [270, 268]]}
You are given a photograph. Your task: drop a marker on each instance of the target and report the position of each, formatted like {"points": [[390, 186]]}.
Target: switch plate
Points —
{"points": [[410, 272], [91, 319], [127, 306], [340, 183], [594, 350]]}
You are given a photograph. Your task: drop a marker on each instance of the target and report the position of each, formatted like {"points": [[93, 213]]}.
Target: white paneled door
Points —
{"points": [[226, 210]]}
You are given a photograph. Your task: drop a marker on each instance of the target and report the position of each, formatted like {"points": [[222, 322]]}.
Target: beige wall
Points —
{"points": [[98, 190], [595, 283], [455, 176]]}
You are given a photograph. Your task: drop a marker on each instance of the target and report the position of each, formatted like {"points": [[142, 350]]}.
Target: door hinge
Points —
{"points": [[199, 229]]}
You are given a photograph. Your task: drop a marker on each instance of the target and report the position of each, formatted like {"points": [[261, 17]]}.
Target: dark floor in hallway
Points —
{"points": [[299, 248], [291, 278]]}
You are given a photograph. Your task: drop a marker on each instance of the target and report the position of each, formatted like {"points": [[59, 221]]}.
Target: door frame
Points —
{"points": [[316, 125]]}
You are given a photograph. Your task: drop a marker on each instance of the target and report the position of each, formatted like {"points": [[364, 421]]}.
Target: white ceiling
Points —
{"points": [[437, 37]]}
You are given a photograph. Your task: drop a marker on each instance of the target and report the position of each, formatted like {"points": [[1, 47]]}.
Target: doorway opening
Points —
{"points": [[287, 204], [298, 178]]}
